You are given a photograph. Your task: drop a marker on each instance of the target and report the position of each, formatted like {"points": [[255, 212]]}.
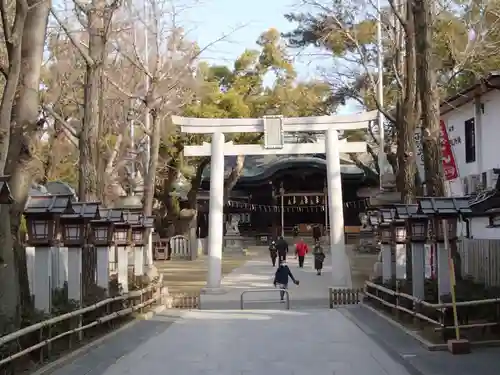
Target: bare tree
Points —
{"points": [[96, 19], [24, 126]]}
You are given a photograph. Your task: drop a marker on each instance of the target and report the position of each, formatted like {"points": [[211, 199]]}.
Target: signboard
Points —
{"points": [[449, 166], [450, 169]]}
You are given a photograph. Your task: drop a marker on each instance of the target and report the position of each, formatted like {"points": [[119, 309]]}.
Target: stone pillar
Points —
{"points": [[341, 271], [400, 260], [138, 251], [148, 249], [122, 267], [30, 267], [215, 221], [59, 266], [387, 274], [102, 272], [443, 268], [75, 273], [418, 269], [42, 288]]}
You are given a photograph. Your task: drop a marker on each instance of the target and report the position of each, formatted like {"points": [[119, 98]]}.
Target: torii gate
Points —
{"points": [[274, 128]]}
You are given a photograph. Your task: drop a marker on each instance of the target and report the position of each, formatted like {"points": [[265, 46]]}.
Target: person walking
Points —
{"points": [[316, 233], [273, 252], [295, 231], [282, 247], [301, 249], [281, 279], [319, 258]]}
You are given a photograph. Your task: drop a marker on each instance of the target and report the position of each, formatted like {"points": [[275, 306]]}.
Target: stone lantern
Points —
{"points": [[444, 214], [101, 236], [416, 229], [43, 258], [137, 237], [74, 231], [122, 239], [385, 234]]}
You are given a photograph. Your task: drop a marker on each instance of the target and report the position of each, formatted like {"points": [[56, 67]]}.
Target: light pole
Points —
{"points": [[380, 95]]}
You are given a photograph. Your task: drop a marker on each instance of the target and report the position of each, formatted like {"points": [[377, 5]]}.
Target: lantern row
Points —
{"points": [[418, 222], [54, 219], [359, 204]]}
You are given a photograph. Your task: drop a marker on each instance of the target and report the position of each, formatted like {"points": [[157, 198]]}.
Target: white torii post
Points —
{"points": [[274, 128]]}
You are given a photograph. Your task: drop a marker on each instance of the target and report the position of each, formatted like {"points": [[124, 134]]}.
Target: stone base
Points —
{"points": [[233, 244], [461, 346], [213, 291]]}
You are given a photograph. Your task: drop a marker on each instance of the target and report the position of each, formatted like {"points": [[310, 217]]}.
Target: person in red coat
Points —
{"points": [[301, 249]]}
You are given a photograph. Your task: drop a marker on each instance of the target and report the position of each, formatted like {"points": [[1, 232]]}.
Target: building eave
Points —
{"points": [[481, 87]]}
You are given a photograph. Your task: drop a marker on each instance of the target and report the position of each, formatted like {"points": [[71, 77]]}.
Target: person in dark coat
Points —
{"points": [[319, 258], [316, 233], [282, 247], [281, 279], [295, 231], [273, 252]]}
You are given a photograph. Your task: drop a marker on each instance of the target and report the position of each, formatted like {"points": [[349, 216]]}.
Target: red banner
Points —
{"points": [[449, 166]]}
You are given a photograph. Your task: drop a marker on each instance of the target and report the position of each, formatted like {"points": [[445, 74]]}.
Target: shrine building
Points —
{"points": [[257, 196]]}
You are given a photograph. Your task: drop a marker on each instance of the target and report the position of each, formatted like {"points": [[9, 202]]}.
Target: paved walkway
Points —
{"points": [[258, 273], [309, 339]]}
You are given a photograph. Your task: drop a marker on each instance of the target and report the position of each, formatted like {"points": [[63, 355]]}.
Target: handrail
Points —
{"points": [[265, 290]]}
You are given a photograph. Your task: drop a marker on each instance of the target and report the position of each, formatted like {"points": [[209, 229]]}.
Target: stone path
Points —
{"points": [[258, 273], [308, 339]]}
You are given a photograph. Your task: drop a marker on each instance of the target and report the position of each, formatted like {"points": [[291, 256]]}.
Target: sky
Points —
{"points": [[243, 22]]}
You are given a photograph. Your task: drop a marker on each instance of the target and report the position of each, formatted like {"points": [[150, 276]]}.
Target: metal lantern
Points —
{"points": [[42, 215], [72, 228], [439, 209], [418, 228], [416, 223], [122, 233], [451, 223], [40, 230], [102, 232], [138, 234], [399, 231]]}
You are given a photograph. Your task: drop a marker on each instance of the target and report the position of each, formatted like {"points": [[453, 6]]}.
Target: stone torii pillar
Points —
{"points": [[274, 128]]}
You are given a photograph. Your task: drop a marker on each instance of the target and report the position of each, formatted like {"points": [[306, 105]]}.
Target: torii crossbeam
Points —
{"points": [[274, 128]]}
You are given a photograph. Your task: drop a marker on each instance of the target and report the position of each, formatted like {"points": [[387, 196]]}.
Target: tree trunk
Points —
{"points": [[14, 48], [149, 185], [88, 141], [23, 135], [234, 176], [429, 97], [406, 129]]}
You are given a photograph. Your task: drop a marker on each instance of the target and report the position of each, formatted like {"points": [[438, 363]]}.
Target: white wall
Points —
{"points": [[487, 134], [487, 126], [478, 229]]}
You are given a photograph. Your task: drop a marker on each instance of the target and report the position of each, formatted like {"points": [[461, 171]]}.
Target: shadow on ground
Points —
{"points": [[100, 357], [484, 361]]}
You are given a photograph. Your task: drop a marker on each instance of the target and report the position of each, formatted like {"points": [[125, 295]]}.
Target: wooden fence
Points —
{"points": [[480, 260], [68, 329]]}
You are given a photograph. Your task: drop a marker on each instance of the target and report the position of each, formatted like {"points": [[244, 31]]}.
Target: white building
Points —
{"points": [[472, 121]]}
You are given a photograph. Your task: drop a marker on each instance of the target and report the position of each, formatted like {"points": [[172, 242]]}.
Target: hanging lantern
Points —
{"points": [[306, 200], [294, 200], [289, 201]]}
